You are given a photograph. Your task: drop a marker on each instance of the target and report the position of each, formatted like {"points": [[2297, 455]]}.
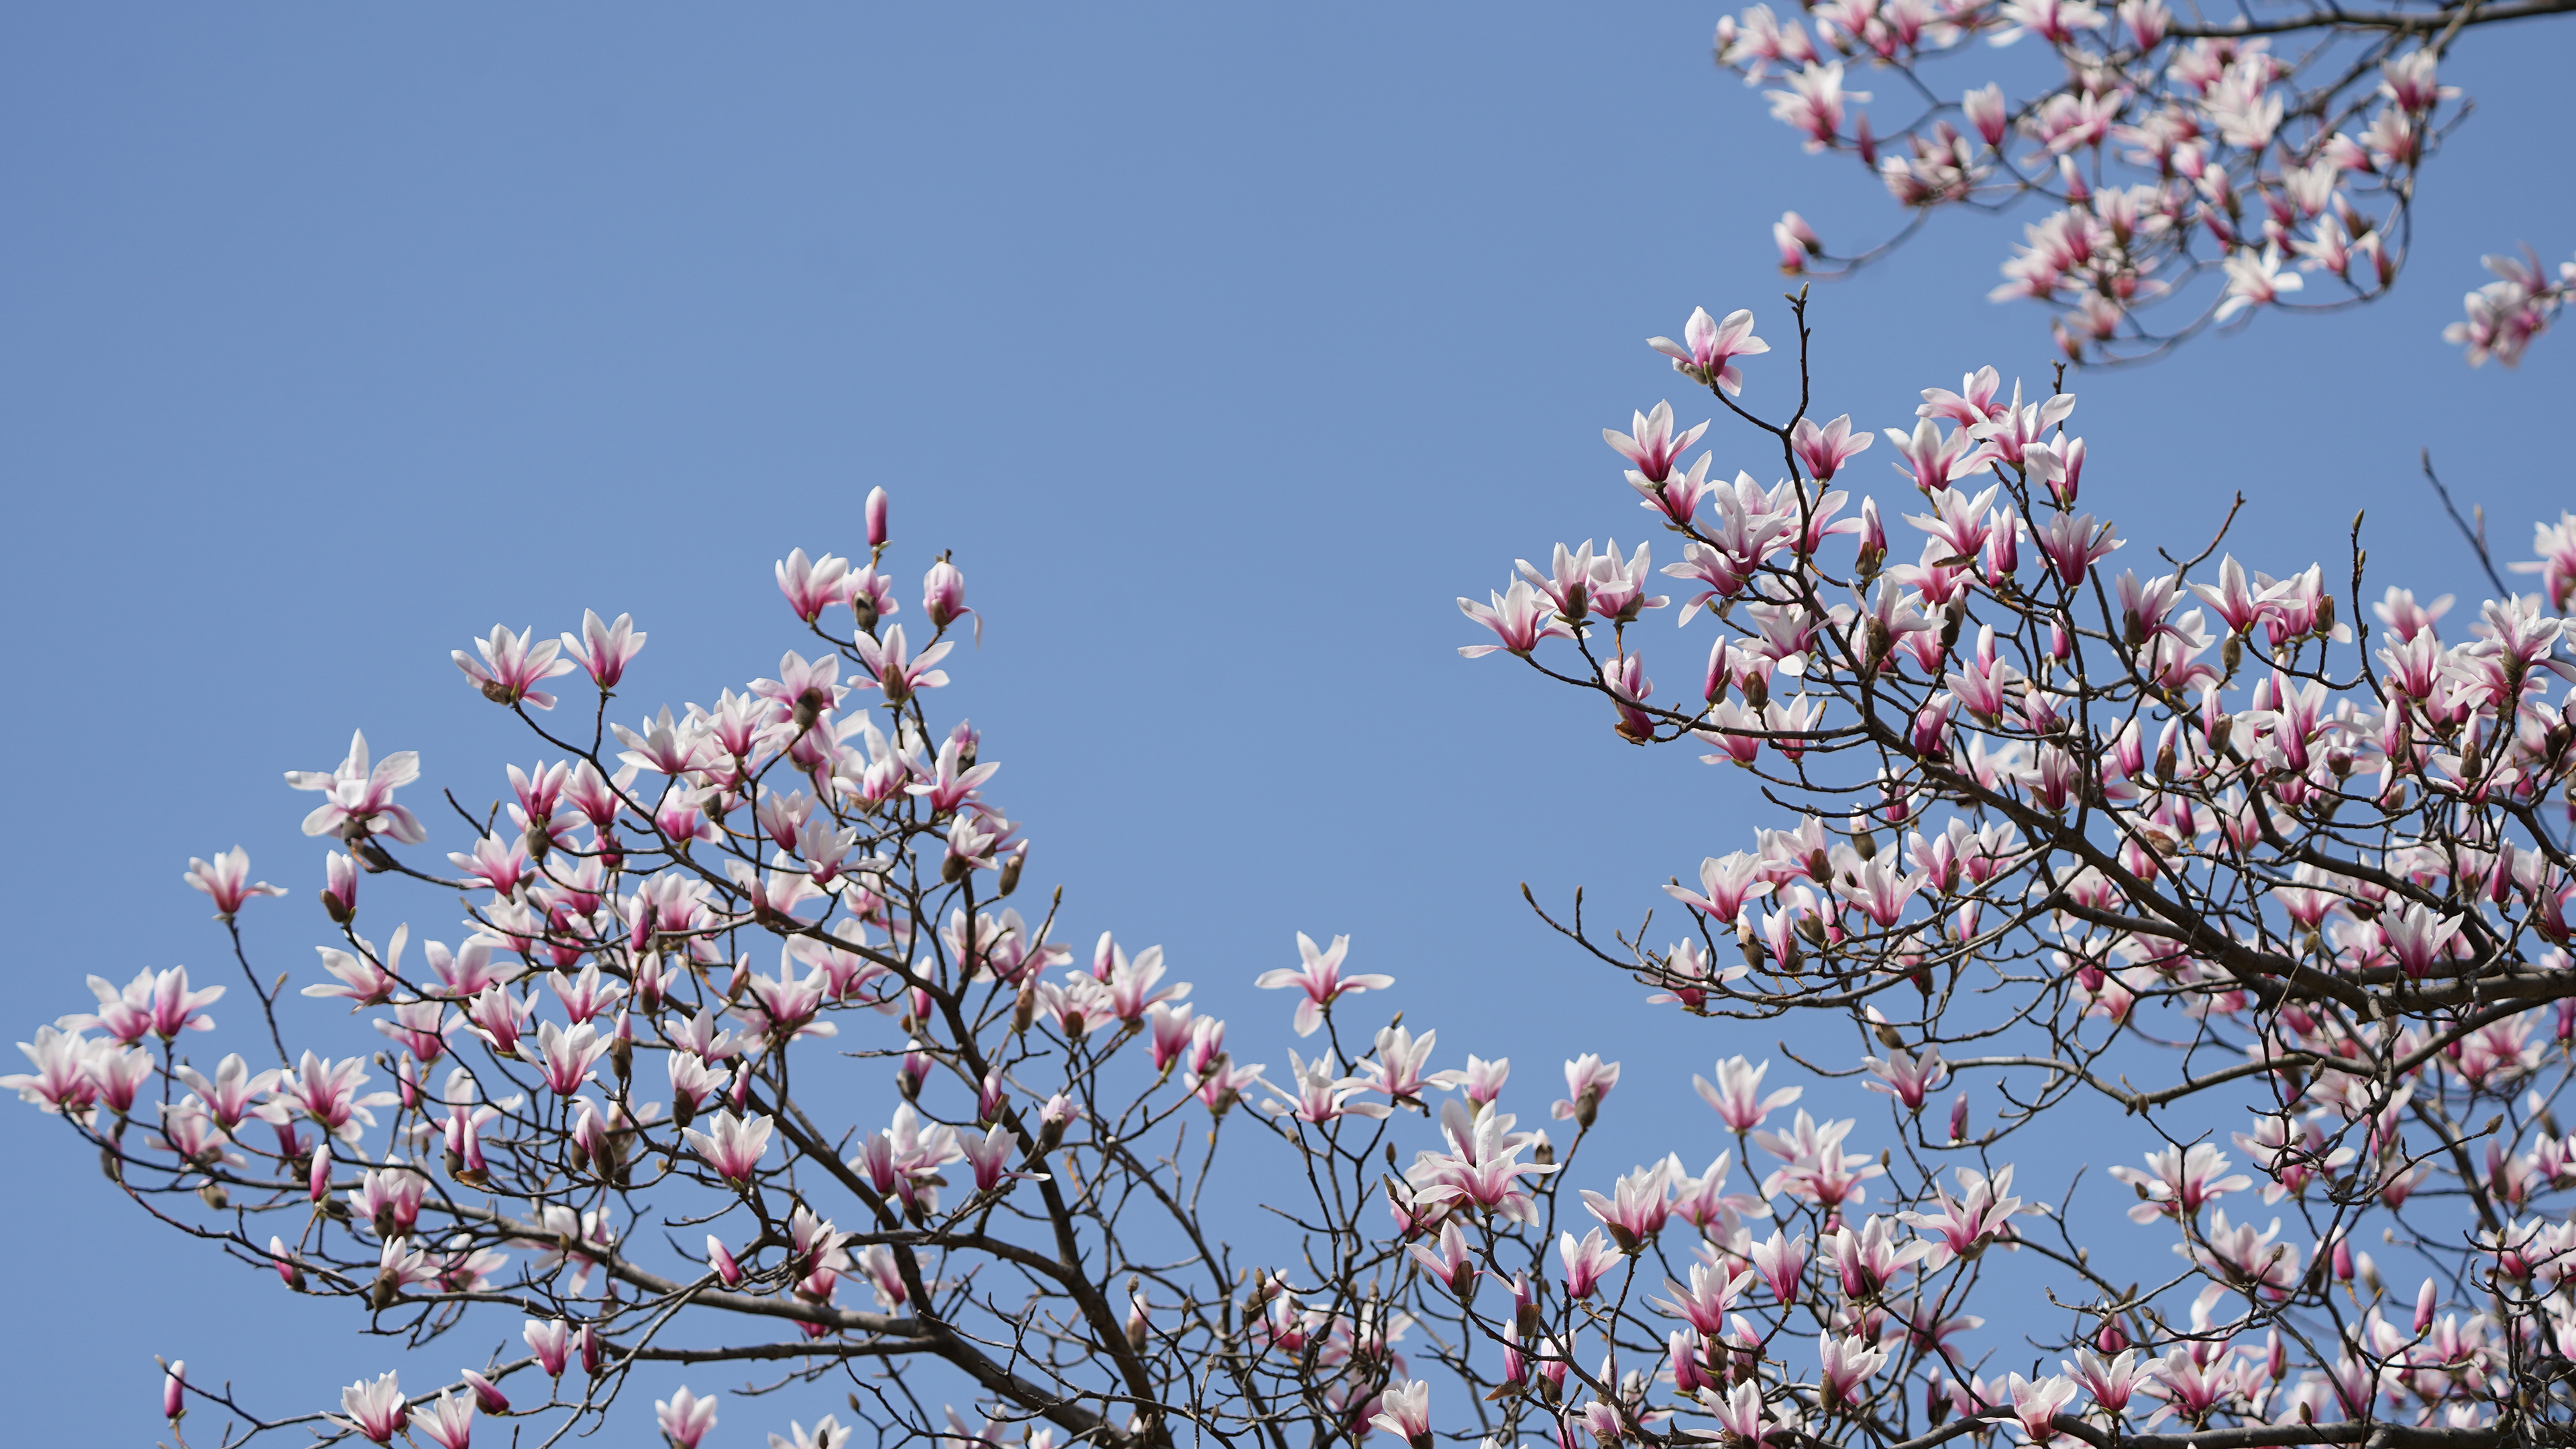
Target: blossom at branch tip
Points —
{"points": [[1845, 1362], [1320, 977], [551, 1341], [685, 1417], [899, 673], [811, 585], [448, 1423], [2256, 279], [991, 1156], [374, 1409], [565, 1057], [1823, 451], [367, 978], [358, 801], [2111, 1383], [2035, 1405], [2180, 1181], [826, 1434], [604, 650], [1318, 1095], [1585, 1263], [1517, 619], [1656, 447], [2555, 547], [1709, 347], [512, 667], [1404, 1410], [1737, 1094], [226, 881], [1588, 1079], [733, 1149], [1908, 1078]]}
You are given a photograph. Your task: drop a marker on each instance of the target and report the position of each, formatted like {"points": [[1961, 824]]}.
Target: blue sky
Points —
{"points": [[1224, 346]]}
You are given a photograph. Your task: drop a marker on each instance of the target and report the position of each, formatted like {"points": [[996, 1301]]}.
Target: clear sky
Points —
{"points": [[1225, 346]]}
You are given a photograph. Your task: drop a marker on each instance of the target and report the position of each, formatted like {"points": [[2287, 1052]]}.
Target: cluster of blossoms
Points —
{"points": [[2261, 152], [2051, 824], [2507, 313], [2173, 840]]}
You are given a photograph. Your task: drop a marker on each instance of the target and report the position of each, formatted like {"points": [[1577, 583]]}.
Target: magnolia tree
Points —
{"points": [[2260, 150], [745, 1068]]}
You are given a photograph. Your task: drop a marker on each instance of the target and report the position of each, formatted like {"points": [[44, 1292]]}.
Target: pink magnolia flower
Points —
{"points": [[152, 1004], [1736, 1095], [366, 979], [358, 802], [1738, 1411], [604, 650], [512, 666], [449, 1423], [1708, 348], [234, 1091], [943, 597], [1655, 448], [1782, 1264], [2420, 935], [226, 881], [1517, 619], [1585, 1262], [1318, 1095], [1451, 1264], [899, 673], [2073, 543], [686, 1417], [1823, 451], [1728, 884], [486, 1393], [2179, 1180], [811, 586], [1320, 978], [1705, 1303], [2035, 1405], [1845, 1363], [991, 1155], [551, 1341], [2555, 545], [1396, 1067], [1588, 1079], [2256, 279], [734, 1148], [565, 1057], [2110, 1383], [327, 1092], [375, 1410], [174, 1390], [1404, 1410]]}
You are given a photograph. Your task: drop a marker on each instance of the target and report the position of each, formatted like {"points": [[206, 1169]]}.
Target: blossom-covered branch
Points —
{"points": [[2195, 170]]}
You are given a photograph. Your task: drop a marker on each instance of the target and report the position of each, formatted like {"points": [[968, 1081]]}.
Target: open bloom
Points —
{"points": [[605, 649], [1737, 1094], [1708, 349], [448, 1423], [734, 1149], [1320, 977], [375, 1410], [359, 800], [226, 881], [512, 666], [686, 1417], [1404, 1410]]}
